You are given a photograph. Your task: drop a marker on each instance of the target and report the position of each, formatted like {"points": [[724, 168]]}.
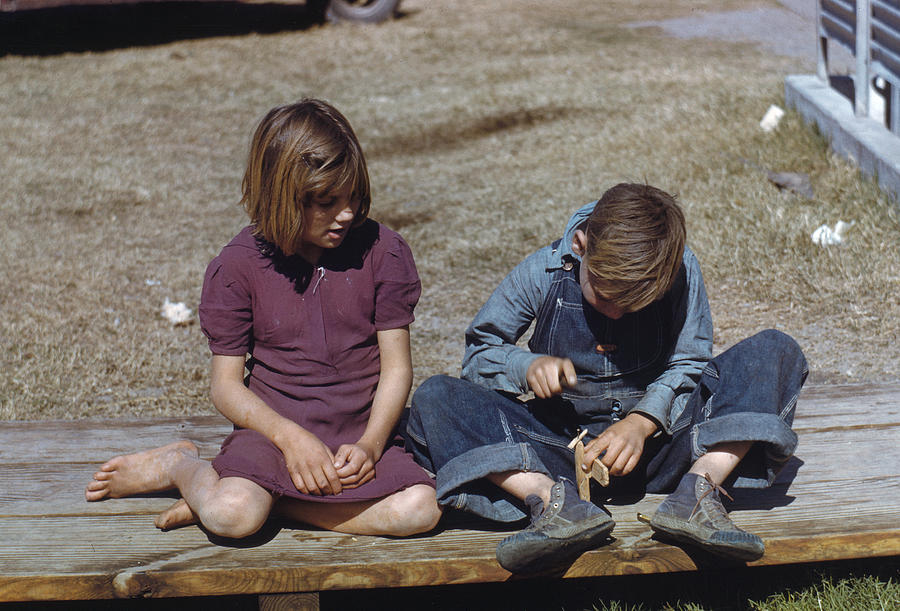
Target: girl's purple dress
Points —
{"points": [[310, 331]]}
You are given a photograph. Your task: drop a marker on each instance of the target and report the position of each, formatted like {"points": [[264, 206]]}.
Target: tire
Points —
{"points": [[367, 11]]}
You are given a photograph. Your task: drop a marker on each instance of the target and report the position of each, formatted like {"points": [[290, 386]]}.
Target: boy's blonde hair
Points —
{"points": [[635, 243], [301, 152]]}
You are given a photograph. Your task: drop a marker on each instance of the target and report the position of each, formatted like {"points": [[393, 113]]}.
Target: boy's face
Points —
{"points": [[595, 299], [589, 291]]}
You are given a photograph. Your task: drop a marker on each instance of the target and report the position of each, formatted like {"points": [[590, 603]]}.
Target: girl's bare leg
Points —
{"points": [[229, 506], [178, 515], [139, 473], [407, 512]]}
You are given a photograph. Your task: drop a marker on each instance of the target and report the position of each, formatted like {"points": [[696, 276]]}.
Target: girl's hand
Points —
{"points": [[547, 375], [623, 444], [310, 463], [355, 464]]}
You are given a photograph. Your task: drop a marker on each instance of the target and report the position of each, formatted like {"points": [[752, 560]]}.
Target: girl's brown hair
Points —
{"points": [[635, 244], [301, 152]]}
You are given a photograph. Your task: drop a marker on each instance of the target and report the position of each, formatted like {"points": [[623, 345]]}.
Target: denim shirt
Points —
{"points": [[494, 360]]}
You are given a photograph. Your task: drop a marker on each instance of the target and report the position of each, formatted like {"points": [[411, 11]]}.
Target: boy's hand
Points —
{"points": [[623, 443], [310, 463], [355, 465], [547, 375]]}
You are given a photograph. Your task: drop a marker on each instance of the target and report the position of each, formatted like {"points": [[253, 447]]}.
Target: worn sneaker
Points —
{"points": [[558, 534], [694, 514]]}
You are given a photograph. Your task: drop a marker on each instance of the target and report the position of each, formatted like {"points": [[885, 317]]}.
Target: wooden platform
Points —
{"points": [[839, 499]]}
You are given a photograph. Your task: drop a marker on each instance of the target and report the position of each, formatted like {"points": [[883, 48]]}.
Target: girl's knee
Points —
{"points": [[417, 511], [235, 514]]}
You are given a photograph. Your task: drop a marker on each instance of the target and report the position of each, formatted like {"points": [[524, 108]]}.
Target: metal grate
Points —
{"points": [[871, 30]]}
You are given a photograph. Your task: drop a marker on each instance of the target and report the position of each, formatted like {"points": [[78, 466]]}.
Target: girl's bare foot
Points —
{"points": [[176, 516], [148, 471]]}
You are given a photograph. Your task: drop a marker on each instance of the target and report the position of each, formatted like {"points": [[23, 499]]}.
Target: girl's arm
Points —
{"points": [[358, 460], [309, 461]]}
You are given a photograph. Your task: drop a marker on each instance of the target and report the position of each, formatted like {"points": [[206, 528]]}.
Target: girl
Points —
{"points": [[321, 298]]}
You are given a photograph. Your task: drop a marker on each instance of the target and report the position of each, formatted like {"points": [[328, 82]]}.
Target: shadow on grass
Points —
{"points": [[74, 29], [722, 588], [454, 133]]}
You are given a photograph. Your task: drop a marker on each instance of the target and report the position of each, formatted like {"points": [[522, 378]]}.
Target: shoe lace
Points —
{"points": [[719, 510]]}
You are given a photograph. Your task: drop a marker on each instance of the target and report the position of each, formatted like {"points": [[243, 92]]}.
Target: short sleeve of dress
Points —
{"points": [[226, 314], [397, 285]]}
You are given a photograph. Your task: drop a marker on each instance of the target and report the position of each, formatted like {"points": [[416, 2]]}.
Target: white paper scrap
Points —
{"points": [[177, 313], [771, 119], [826, 236]]}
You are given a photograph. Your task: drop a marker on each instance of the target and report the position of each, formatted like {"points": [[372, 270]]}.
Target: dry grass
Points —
{"points": [[485, 124]]}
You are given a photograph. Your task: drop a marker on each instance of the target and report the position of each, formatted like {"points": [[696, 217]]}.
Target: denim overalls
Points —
{"points": [[463, 432], [614, 360]]}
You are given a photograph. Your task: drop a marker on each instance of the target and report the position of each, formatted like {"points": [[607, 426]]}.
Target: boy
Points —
{"points": [[622, 347]]}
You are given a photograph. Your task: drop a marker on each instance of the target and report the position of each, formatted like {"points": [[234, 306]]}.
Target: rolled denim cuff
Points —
{"points": [[772, 432], [657, 403], [477, 464], [517, 368]]}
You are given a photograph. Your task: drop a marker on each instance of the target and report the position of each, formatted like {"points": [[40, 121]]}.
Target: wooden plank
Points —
{"points": [[31, 588], [113, 544], [45, 489], [94, 441], [848, 406], [830, 456], [837, 500], [130, 558], [184, 563], [289, 602]]}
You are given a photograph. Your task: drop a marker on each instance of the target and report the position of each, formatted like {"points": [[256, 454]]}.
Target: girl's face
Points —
{"points": [[326, 221]]}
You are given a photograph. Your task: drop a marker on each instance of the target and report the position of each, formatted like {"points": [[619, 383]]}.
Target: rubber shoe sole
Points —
{"points": [[735, 544], [533, 551]]}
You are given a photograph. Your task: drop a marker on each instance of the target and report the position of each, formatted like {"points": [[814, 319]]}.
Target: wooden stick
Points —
{"points": [[582, 479], [598, 470], [600, 473], [577, 439]]}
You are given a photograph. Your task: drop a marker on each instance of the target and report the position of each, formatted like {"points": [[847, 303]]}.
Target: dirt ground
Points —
{"points": [[787, 28], [485, 125]]}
